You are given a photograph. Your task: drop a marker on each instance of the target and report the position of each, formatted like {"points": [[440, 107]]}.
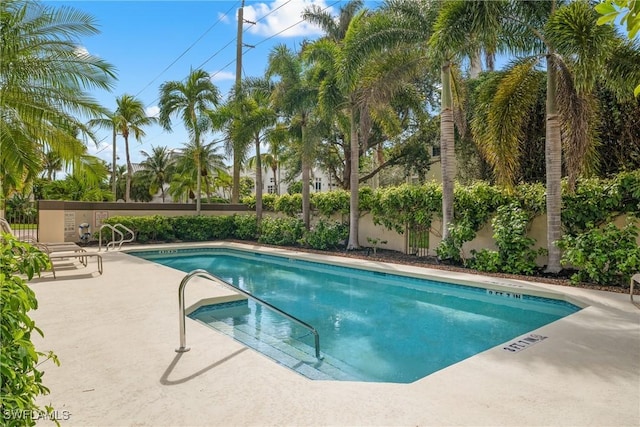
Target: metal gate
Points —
{"points": [[418, 241], [22, 214]]}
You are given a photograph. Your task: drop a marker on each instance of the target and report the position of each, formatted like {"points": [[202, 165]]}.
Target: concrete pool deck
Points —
{"points": [[115, 336]]}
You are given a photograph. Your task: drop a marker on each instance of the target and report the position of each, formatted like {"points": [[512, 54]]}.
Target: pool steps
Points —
{"points": [[292, 353]]}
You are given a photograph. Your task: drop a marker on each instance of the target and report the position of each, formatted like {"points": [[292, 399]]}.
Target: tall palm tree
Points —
{"points": [[575, 52], [190, 100], [158, 167], [296, 96], [361, 94], [109, 120], [451, 31], [334, 28], [44, 81], [246, 119], [130, 117]]}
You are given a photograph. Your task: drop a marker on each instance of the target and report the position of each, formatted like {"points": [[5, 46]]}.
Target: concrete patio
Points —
{"points": [[115, 336]]}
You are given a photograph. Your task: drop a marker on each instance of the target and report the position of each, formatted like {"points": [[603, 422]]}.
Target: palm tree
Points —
{"points": [[44, 81], [451, 30], [130, 117], [576, 52], [190, 100], [52, 163], [205, 159], [247, 118], [158, 167], [224, 181], [182, 186], [362, 95], [296, 96], [334, 29], [109, 120]]}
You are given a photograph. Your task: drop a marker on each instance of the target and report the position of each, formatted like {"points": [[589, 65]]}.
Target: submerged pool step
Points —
{"points": [[292, 353]]}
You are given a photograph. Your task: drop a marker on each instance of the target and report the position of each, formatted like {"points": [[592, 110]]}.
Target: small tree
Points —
{"points": [[21, 381]]}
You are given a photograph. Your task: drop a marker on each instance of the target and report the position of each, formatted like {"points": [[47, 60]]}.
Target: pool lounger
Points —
{"points": [[82, 256]]}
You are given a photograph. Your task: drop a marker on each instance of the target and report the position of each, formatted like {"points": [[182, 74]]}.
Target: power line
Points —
{"points": [[291, 26], [187, 49]]}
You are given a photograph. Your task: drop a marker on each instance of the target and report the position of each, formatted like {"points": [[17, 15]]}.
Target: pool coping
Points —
{"points": [[115, 336]]}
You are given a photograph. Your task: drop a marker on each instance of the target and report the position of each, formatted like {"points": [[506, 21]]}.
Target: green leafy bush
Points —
{"points": [[146, 228], [450, 249], [289, 204], [326, 235], [331, 202], [20, 380], [514, 254], [246, 227], [407, 205], [268, 201], [202, 228], [607, 256], [281, 231]]}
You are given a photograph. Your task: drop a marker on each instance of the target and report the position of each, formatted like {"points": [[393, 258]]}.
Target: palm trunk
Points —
{"points": [[235, 194], [127, 191], [275, 180], [198, 190], [354, 178], [475, 68], [447, 156], [198, 171], [553, 159], [306, 197], [258, 182], [113, 167]]}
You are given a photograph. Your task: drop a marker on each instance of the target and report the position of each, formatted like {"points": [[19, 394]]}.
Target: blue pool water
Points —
{"points": [[373, 326]]}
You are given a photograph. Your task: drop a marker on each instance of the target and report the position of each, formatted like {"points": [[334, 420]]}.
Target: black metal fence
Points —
{"points": [[22, 215], [418, 244]]}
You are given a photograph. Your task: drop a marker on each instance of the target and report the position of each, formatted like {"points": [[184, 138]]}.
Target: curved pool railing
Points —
{"points": [[205, 274], [115, 230]]}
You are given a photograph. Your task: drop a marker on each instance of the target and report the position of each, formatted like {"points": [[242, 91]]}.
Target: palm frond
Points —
{"points": [[505, 103], [579, 123]]}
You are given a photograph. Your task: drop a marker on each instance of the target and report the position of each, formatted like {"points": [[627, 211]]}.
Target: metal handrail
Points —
{"points": [[115, 230], [128, 230], [202, 273]]}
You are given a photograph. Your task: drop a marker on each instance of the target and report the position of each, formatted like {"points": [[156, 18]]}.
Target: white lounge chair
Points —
{"points": [[56, 251], [634, 279]]}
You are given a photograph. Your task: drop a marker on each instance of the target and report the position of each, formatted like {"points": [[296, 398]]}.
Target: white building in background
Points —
{"points": [[321, 182]]}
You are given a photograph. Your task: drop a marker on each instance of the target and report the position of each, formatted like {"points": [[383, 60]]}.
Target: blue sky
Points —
{"points": [[143, 38]]}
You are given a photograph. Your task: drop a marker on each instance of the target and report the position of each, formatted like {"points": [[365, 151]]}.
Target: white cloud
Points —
{"points": [[81, 51], [219, 76], [288, 14], [152, 111], [223, 18]]}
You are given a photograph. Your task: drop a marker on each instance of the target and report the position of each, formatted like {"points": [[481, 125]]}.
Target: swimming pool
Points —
{"points": [[373, 326]]}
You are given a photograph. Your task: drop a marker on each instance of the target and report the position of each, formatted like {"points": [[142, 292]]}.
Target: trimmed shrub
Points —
{"points": [[246, 227], [326, 235], [281, 231]]}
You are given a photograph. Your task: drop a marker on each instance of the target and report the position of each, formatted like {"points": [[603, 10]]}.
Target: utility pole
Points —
{"points": [[235, 195]]}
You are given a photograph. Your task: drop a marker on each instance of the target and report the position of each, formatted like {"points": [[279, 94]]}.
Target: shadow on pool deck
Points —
{"points": [[164, 380], [115, 335]]}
